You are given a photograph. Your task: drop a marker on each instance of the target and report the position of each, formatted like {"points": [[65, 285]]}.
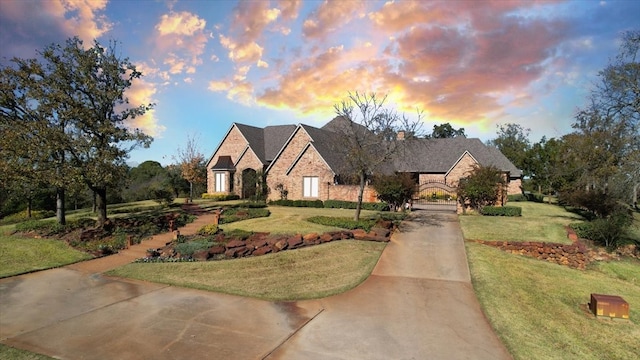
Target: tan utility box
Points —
{"points": [[610, 306]]}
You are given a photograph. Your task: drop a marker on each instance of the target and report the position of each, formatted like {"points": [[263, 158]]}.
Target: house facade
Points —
{"points": [[305, 162]]}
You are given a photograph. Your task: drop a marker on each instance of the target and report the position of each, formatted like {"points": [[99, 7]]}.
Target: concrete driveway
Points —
{"points": [[418, 304]]}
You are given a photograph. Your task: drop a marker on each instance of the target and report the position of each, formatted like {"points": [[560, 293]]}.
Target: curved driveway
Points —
{"points": [[417, 304]]}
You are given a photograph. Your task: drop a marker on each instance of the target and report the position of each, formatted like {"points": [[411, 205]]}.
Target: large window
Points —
{"points": [[310, 186], [220, 182]]}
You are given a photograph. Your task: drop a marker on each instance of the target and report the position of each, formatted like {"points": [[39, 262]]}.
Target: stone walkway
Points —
{"points": [[137, 251]]}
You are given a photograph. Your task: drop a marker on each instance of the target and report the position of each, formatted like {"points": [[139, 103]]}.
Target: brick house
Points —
{"points": [[306, 162]]}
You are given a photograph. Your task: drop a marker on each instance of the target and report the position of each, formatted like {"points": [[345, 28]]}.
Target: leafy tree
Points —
{"points": [[174, 181], [443, 131], [71, 105], [602, 155], [143, 178], [483, 186], [395, 190], [368, 138], [192, 164], [543, 160], [513, 142]]}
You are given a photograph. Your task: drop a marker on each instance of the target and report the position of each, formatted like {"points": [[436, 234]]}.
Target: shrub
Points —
{"points": [[340, 204], [237, 214], [188, 248], [394, 189], [239, 233], [501, 211], [162, 196], [481, 187], [210, 229], [609, 231], [516, 197], [298, 203], [44, 227], [220, 197], [343, 222], [22, 216]]}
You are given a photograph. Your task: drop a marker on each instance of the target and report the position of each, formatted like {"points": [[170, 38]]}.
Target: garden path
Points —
{"points": [[137, 251]]}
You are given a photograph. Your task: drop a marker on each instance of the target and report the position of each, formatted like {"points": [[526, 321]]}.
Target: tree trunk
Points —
{"points": [[190, 191], [93, 205], [29, 206], [101, 204], [356, 217], [60, 213]]}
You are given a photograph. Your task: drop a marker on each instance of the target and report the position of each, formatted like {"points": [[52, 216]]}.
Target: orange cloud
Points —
{"points": [[141, 93], [329, 16], [183, 36]]}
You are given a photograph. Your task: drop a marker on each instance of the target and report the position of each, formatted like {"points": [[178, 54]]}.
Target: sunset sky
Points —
{"points": [[207, 64]]}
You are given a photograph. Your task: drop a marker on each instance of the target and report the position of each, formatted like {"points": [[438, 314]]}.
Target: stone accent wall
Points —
{"points": [[232, 145]]}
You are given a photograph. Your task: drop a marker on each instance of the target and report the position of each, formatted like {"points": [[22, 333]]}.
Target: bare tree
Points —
{"points": [[371, 136], [191, 163]]}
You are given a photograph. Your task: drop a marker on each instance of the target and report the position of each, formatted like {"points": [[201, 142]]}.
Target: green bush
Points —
{"points": [[237, 214], [162, 196], [23, 216], [188, 248], [340, 204], [44, 227], [608, 232], [220, 197], [210, 229], [501, 211], [516, 197], [298, 203], [239, 233], [343, 222]]}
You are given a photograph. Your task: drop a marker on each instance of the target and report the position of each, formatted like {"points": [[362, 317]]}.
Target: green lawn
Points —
{"points": [[539, 222], [9, 353], [539, 309], [291, 220], [20, 255], [307, 273]]}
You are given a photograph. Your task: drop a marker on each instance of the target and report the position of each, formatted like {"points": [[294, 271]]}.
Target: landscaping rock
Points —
{"points": [[294, 241], [261, 251], [235, 243], [200, 255], [381, 232], [359, 234], [325, 238], [217, 250], [281, 244]]}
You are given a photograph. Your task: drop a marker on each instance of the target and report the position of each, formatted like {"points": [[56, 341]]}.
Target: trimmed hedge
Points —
{"points": [[342, 222], [526, 197], [298, 203], [238, 214], [501, 211], [220, 197], [516, 197], [340, 204]]}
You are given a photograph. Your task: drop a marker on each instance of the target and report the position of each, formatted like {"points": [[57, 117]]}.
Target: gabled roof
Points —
{"points": [[224, 163], [438, 155], [264, 142], [416, 155]]}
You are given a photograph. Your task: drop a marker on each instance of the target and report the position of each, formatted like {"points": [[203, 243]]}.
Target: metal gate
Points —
{"points": [[435, 195]]}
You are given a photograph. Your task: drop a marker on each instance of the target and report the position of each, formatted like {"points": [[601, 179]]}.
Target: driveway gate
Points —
{"points": [[435, 195]]}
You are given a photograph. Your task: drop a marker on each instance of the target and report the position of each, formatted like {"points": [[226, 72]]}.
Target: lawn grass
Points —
{"points": [[308, 273], [292, 220], [539, 222], [9, 353], [20, 255], [539, 309]]}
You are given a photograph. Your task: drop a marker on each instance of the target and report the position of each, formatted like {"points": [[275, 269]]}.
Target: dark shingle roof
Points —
{"points": [[439, 155], [268, 141]]}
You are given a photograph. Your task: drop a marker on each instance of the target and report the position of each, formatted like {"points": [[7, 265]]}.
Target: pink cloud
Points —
{"points": [[183, 36], [329, 16]]}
